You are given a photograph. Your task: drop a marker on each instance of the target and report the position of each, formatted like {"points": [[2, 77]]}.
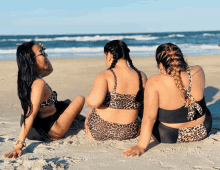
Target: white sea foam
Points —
{"points": [[101, 38], [176, 35], [88, 38], [43, 39], [7, 51], [74, 49], [207, 34]]}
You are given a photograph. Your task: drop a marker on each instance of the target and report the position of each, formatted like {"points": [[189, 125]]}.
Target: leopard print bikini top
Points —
{"points": [[120, 101], [51, 100]]}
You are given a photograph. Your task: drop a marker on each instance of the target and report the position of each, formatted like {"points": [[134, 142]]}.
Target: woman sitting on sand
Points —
{"points": [[41, 110], [174, 105], [116, 97]]}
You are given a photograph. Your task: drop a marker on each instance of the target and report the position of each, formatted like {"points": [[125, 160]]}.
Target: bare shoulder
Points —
{"points": [[144, 78], [153, 81], [143, 75], [101, 78], [102, 75], [38, 84], [196, 69]]}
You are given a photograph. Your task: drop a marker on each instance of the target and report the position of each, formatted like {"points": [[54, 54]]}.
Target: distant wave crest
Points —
{"points": [[176, 35], [88, 38], [208, 34]]}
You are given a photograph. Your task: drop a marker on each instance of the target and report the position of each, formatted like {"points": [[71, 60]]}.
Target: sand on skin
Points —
{"points": [[72, 77]]}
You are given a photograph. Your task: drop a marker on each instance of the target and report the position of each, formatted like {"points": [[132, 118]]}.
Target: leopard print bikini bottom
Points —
{"points": [[165, 134], [103, 130], [190, 134]]}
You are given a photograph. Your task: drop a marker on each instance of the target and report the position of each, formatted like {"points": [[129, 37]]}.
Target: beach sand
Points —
{"points": [[72, 77]]}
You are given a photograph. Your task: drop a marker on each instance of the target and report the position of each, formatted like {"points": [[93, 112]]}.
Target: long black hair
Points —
{"points": [[26, 74], [120, 50]]}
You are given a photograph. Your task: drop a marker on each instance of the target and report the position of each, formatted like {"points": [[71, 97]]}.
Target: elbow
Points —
{"points": [[92, 103], [151, 119]]}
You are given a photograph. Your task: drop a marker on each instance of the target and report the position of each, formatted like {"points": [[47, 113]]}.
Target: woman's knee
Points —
{"points": [[80, 100]]}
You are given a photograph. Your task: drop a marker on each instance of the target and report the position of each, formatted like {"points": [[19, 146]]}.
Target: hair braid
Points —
{"points": [[139, 96], [115, 60], [172, 59], [120, 50]]}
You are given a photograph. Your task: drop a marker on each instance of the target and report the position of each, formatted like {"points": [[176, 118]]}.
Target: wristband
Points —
{"points": [[21, 142]]}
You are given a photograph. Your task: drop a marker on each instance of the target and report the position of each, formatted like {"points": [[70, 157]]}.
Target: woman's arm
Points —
{"points": [[98, 92], [144, 80], [48, 68], [151, 105], [36, 96], [44, 64]]}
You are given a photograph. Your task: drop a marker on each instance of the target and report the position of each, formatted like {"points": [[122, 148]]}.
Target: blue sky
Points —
{"points": [[111, 16]]}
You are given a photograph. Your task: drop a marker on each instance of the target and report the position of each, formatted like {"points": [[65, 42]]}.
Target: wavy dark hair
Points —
{"points": [[173, 61], [120, 50], [26, 74]]}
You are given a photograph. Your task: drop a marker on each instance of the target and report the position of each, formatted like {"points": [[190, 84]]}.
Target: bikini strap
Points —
{"points": [[192, 107], [49, 87], [115, 79]]}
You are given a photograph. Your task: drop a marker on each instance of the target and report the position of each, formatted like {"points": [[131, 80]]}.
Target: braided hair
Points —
{"points": [[173, 61], [120, 50]]}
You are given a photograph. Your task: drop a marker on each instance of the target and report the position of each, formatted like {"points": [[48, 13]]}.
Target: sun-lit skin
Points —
{"points": [[40, 92], [127, 83], [161, 92]]}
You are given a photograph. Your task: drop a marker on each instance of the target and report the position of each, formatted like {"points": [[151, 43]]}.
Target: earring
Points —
{"points": [[161, 72]]}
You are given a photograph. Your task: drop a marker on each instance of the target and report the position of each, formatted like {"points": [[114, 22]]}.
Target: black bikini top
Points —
{"points": [[51, 100], [185, 113], [120, 101]]}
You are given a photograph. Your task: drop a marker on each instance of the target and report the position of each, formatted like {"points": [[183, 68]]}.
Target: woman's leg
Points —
{"points": [[63, 123], [86, 126]]}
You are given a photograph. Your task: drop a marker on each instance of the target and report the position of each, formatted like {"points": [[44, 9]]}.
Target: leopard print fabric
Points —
{"points": [[195, 133], [51, 100], [103, 130], [120, 101], [192, 107], [190, 134]]}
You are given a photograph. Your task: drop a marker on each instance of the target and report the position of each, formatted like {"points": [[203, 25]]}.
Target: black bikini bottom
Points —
{"points": [[165, 134], [41, 126]]}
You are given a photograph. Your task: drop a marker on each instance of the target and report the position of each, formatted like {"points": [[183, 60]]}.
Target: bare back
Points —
{"points": [[127, 83], [169, 95]]}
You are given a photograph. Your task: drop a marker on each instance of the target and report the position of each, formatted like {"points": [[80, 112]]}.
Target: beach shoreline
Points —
{"points": [[75, 76]]}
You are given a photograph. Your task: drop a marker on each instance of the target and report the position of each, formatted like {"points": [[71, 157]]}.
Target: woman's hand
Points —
{"points": [[42, 46], [17, 152], [135, 150]]}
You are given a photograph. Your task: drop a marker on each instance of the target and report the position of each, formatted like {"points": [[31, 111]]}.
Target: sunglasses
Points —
{"points": [[42, 52]]}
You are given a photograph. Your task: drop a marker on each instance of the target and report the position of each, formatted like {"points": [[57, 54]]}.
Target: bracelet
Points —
{"points": [[21, 142]]}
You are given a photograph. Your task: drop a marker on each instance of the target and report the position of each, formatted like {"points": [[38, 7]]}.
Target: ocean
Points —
{"points": [[91, 45]]}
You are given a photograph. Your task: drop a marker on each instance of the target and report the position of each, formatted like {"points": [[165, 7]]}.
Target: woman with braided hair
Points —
{"points": [[174, 106], [116, 97]]}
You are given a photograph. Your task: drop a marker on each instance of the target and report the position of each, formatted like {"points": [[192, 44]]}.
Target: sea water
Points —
{"points": [[92, 45]]}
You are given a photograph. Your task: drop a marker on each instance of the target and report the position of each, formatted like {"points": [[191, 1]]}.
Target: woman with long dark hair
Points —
{"points": [[174, 106], [116, 97], [40, 108]]}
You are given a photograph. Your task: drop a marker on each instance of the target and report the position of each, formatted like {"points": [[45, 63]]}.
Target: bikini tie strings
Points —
{"points": [[192, 108]]}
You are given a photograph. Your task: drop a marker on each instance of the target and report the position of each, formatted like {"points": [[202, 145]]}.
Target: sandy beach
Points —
{"points": [[75, 76]]}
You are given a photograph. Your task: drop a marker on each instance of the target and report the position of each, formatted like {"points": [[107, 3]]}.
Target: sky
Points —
{"points": [[107, 16]]}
